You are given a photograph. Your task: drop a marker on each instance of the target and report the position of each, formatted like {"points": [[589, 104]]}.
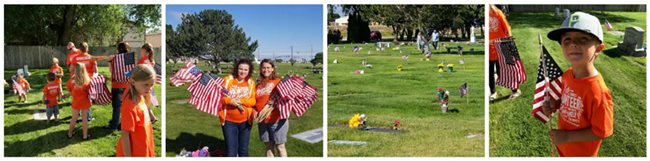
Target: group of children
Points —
{"points": [[136, 110]]}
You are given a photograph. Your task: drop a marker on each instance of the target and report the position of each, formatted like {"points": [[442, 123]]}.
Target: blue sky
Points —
{"points": [[276, 27]]}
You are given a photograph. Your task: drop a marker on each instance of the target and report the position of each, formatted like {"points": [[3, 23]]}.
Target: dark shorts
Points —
{"points": [[52, 111]]}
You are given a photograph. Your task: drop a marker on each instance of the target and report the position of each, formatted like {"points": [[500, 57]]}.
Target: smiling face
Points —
{"points": [[267, 70], [242, 71], [580, 48]]}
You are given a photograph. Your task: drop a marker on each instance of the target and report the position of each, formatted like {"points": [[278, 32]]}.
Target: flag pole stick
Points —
{"points": [[541, 46]]}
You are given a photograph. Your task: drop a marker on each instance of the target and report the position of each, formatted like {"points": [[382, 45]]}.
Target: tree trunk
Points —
{"points": [[69, 14]]}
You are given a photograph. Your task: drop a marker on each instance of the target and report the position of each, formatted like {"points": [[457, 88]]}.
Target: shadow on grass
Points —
{"points": [[33, 125], [17, 104], [613, 53], [50, 142], [192, 142]]}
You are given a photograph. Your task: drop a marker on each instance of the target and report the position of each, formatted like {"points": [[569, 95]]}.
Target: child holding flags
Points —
{"points": [[136, 115], [585, 106], [51, 95], [79, 88]]}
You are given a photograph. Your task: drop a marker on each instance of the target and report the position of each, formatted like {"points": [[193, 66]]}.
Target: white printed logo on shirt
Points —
{"points": [[238, 92], [265, 90], [572, 107]]}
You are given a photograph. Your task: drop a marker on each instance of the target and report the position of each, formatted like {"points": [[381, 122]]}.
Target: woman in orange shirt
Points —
{"points": [[499, 28], [237, 113], [272, 129], [80, 102], [137, 116]]}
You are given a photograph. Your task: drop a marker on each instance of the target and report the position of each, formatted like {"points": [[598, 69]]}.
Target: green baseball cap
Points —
{"points": [[578, 21]]}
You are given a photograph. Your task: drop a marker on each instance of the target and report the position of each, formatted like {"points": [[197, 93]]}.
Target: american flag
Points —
{"points": [[99, 93], [121, 65], [19, 88], [206, 93], [186, 75], [608, 25], [511, 70], [158, 70], [549, 81], [463, 89], [294, 95]]}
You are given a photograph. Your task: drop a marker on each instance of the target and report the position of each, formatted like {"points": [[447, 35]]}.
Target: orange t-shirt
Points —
{"points": [[87, 60], [80, 100], [499, 28], [54, 69], [262, 96], [145, 60], [136, 120], [586, 104], [71, 56], [245, 92], [52, 92], [24, 83]]}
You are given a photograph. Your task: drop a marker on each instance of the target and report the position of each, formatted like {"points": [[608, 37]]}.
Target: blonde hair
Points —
{"points": [[84, 47], [141, 72], [54, 59], [80, 75]]}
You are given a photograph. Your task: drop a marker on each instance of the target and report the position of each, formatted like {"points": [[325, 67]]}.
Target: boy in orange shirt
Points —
{"points": [[51, 95], [586, 110], [137, 138], [57, 70]]}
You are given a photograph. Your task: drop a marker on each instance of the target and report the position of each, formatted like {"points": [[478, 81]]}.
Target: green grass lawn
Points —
{"points": [[515, 132], [190, 129], [27, 137], [384, 94]]}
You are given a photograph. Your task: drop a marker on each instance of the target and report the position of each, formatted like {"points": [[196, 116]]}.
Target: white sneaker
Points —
{"points": [[515, 94], [493, 96]]}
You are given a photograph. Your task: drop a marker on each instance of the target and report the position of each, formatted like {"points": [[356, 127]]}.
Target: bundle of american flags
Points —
{"points": [[294, 94], [187, 74], [511, 70], [206, 93], [549, 82], [99, 93], [121, 65]]}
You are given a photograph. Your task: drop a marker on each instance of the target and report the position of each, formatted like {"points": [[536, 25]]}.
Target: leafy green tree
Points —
{"points": [[213, 35]]}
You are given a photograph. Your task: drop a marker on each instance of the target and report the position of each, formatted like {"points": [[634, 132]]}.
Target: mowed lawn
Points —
{"points": [[514, 131], [190, 129], [25, 136], [384, 94]]}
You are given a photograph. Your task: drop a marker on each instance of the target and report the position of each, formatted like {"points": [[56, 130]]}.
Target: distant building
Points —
{"points": [[154, 39], [134, 37], [343, 21]]}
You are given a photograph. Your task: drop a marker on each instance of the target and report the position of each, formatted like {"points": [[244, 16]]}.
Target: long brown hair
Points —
{"points": [[80, 74], [141, 72], [235, 70], [149, 49], [273, 75]]}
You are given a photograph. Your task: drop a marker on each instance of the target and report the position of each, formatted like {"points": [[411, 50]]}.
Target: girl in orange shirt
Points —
{"points": [[272, 129], [80, 102], [237, 113], [23, 82], [137, 116], [147, 58]]}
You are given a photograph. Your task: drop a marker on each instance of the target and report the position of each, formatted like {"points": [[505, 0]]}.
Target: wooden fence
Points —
{"points": [[41, 56]]}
